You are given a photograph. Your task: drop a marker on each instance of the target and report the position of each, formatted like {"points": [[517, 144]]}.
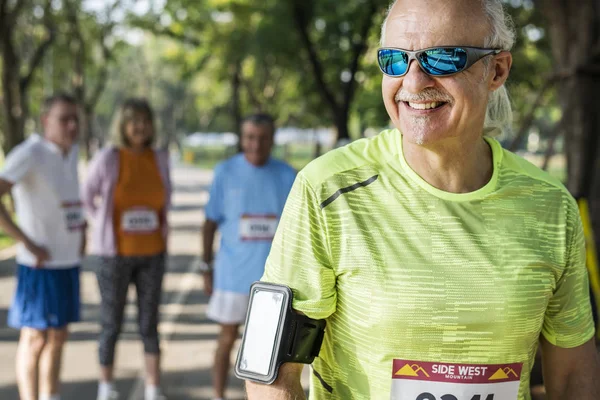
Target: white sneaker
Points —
{"points": [[112, 395], [158, 395]]}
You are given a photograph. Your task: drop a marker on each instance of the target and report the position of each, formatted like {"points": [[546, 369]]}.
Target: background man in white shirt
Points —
{"points": [[42, 174]]}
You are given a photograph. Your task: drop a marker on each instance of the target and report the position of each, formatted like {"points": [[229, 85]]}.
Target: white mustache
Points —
{"points": [[427, 95]]}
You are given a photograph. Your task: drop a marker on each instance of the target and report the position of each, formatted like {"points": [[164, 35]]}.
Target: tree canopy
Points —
{"points": [[206, 63]]}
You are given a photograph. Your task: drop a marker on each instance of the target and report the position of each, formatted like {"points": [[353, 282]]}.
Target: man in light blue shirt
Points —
{"points": [[247, 197]]}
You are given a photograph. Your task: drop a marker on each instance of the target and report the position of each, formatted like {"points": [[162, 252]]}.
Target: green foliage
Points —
{"points": [[186, 57], [27, 37], [532, 66], [56, 72], [297, 155]]}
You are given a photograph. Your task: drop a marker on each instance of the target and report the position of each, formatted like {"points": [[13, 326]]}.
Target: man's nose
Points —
{"points": [[416, 79], [73, 123], [252, 145]]}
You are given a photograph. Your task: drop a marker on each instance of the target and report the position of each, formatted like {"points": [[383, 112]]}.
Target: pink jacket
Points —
{"points": [[97, 197]]}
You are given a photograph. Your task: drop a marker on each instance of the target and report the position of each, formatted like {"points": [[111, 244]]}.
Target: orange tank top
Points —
{"points": [[139, 205]]}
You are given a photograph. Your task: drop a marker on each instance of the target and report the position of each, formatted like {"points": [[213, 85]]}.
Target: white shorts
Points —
{"points": [[228, 307]]}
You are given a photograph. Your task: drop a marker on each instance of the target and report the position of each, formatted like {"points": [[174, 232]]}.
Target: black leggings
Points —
{"points": [[114, 276]]}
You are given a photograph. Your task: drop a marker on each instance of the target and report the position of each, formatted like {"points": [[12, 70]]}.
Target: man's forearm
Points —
{"points": [[286, 387], [583, 385], [257, 391], [578, 387], [83, 241], [208, 238]]}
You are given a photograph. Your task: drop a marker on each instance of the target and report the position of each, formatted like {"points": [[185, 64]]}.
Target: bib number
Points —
{"points": [[258, 227], [139, 220], [73, 215], [429, 396], [416, 380]]}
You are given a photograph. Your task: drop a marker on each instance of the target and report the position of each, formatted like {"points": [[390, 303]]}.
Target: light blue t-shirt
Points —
{"points": [[246, 202]]}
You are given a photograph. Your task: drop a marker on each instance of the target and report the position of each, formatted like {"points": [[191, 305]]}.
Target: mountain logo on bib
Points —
{"points": [[411, 370], [503, 374]]}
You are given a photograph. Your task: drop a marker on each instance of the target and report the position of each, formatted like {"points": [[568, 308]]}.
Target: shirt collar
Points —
{"points": [[53, 147]]}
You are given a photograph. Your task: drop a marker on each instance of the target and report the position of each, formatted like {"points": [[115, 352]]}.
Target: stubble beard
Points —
{"points": [[419, 124], [418, 128]]}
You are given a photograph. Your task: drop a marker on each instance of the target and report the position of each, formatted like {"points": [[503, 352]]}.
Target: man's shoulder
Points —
{"points": [[373, 151], [32, 144], [27, 158], [228, 165], [522, 173], [519, 166], [30, 151], [229, 169], [282, 167]]}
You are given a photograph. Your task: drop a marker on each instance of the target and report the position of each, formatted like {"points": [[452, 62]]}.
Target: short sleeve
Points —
{"points": [[95, 174], [18, 163], [568, 321], [214, 207], [299, 256]]}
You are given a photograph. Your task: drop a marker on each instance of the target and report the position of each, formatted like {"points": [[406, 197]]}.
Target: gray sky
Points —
{"points": [[137, 6], [140, 7]]}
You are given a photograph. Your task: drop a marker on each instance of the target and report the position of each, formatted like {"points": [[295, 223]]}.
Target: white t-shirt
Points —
{"points": [[46, 194]]}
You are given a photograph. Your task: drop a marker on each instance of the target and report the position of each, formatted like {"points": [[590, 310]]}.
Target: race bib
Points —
{"points": [[73, 215], [258, 227], [139, 220], [416, 380]]}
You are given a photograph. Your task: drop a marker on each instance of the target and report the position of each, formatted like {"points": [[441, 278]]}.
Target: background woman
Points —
{"points": [[127, 193]]}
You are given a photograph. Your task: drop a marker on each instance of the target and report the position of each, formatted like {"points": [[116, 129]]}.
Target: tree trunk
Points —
{"points": [[87, 124], [170, 127], [14, 104], [574, 29], [318, 150], [15, 85], [236, 87], [341, 125], [15, 113], [339, 107], [78, 80]]}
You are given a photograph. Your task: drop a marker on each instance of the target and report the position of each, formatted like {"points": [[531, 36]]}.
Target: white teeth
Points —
{"points": [[424, 106]]}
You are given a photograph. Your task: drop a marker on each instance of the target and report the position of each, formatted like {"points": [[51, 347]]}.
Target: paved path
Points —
{"points": [[188, 338]]}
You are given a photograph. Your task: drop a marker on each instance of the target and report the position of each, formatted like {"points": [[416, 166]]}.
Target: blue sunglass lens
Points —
{"points": [[392, 62], [443, 61]]}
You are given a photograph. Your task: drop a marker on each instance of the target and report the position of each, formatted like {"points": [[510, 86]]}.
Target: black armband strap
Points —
{"points": [[275, 334]]}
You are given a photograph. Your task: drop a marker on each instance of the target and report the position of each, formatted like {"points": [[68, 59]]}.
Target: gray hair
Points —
{"points": [[261, 119], [502, 36]]}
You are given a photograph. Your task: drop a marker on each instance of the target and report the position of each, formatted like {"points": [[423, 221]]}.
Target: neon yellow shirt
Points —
{"points": [[402, 270]]}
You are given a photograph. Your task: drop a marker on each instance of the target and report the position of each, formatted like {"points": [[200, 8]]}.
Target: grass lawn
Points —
{"points": [[208, 157], [5, 241], [298, 155]]}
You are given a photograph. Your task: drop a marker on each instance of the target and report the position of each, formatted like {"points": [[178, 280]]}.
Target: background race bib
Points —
{"points": [[416, 380], [139, 220], [73, 215], [258, 227]]}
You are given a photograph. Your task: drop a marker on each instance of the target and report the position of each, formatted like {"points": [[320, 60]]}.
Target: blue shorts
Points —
{"points": [[45, 298]]}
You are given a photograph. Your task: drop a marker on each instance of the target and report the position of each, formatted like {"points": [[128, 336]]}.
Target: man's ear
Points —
{"points": [[500, 68], [44, 119]]}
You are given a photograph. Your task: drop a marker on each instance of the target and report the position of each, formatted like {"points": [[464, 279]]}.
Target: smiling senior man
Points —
{"points": [[438, 259]]}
